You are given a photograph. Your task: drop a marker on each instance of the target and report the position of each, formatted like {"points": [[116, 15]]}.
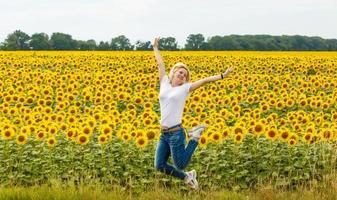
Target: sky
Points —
{"points": [[143, 20]]}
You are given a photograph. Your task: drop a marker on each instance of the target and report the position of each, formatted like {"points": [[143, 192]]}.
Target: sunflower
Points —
{"points": [[279, 105], [326, 134], [272, 134], [40, 135], [334, 117], [147, 121], [8, 133], [25, 130], [53, 129], [203, 141], [223, 112], [108, 98], [72, 120], [238, 138], [5, 110], [313, 103], [141, 142], [264, 107], [303, 102], [148, 105], [61, 105], [21, 139], [236, 109], [98, 100], [125, 137], [311, 129], [60, 117], [239, 129], [97, 117], [250, 99], [13, 111], [290, 102], [284, 134], [8, 98], [325, 106], [102, 139], [292, 142], [319, 120], [150, 134], [307, 137], [51, 141], [82, 139], [198, 109], [71, 133], [87, 130], [138, 100], [106, 129], [272, 101], [133, 134], [216, 137], [258, 128], [41, 102]]}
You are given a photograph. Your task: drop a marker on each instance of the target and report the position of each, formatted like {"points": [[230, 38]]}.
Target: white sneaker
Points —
{"points": [[196, 131], [191, 179]]}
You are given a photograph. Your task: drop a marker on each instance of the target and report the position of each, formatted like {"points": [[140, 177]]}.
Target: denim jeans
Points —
{"points": [[173, 143]]}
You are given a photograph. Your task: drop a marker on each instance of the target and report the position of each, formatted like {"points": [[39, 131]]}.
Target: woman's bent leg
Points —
{"points": [[181, 155], [162, 154]]}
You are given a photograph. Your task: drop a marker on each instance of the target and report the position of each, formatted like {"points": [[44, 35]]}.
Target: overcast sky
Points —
{"points": [[144, 19]]}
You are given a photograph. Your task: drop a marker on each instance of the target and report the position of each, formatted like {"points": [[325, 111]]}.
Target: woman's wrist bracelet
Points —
{"points": [[221, 76]]}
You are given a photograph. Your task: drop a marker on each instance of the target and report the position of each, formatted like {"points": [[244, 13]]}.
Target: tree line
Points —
{"points": [[19, 40]]}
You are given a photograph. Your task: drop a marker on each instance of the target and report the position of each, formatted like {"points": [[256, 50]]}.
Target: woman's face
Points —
{"points": [[179, 77]]}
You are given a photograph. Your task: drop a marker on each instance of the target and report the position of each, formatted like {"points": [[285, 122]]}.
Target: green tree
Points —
{"points": [[318, 44], [2, 46], [216, 43], [121, 43], [332, 44], [103, 46], [39, 41], [61, 41], [88, 45], [143, 46], [17, 40], [195, 42], [229, 43], [169, 44], [92, 44]]}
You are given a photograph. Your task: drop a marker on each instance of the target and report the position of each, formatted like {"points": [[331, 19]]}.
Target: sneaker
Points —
{"points": [[196, 131], [191, 179]]}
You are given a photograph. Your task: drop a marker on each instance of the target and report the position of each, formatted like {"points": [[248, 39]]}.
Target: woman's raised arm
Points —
{"points": [[195, 85], [161, 66]]}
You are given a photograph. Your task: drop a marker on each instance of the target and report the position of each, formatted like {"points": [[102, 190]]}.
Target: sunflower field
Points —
{"points": [[93, 117]]}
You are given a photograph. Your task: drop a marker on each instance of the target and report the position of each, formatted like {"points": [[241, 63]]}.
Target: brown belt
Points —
{"points": [[165, 129]]}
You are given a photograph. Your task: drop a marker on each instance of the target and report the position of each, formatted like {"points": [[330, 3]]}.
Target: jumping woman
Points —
{"points": [[174, 90]]}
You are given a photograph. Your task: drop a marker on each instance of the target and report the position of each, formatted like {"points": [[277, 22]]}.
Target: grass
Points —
{"points": [[326, 189]]}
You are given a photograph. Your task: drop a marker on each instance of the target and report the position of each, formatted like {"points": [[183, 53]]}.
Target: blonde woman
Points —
{"points": [[174, 90]]}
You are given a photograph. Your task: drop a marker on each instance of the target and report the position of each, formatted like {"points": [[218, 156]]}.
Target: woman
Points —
{"points": [[174, 90]]}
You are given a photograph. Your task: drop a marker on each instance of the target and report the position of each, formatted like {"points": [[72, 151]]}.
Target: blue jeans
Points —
{"points": [[174, 143]]}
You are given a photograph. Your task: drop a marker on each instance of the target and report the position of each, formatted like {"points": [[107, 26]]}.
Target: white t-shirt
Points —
{"points": [[172, 102]]}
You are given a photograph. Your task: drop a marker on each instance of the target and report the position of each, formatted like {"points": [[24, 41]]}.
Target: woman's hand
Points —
{"points": [[156, 43], [227, 72]]}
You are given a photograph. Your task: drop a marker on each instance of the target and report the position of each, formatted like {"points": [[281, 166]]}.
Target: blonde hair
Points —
{"points": [[178, 66]]}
